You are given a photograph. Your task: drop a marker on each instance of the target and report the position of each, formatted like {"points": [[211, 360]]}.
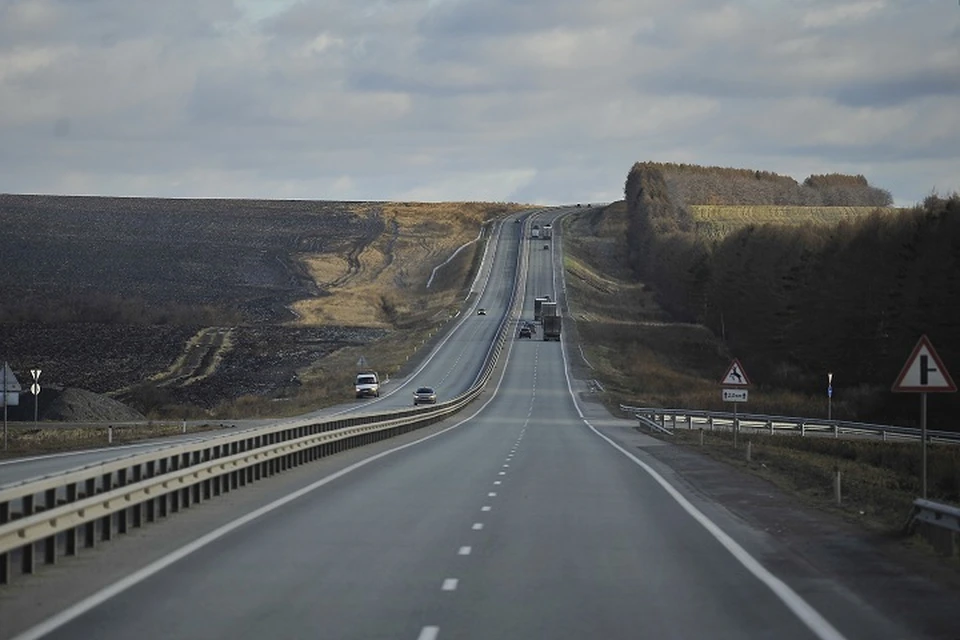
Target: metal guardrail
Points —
{"points": [[686, 418], [938, 523], [60, 513], [653, 426]]}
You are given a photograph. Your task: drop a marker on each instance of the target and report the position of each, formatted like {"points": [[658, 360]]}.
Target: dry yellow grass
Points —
{"points": [[716, 221], [387, 281]]}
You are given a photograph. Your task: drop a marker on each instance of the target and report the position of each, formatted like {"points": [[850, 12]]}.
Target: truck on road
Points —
{"points": [[535, 232], [538, 307], [547, 232], [550, 316]]}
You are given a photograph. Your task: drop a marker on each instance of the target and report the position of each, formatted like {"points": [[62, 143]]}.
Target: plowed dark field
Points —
{"points": [[107, 294]]}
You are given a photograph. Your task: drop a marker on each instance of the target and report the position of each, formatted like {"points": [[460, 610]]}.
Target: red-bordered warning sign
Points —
{"points": [[924, 372], [735, 376]]}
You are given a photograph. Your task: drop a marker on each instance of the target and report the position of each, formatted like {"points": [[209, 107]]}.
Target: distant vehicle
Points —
{"points": [[545, 247], [578, 205], [424, 395], [517, 220], [525, 332], [550, 318], [481, 311], [367, 384], [537, 304], [547, 232], [535, 234]]}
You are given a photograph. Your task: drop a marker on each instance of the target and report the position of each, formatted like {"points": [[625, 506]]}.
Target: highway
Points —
{"points": [[517, 520], [451, 368]]}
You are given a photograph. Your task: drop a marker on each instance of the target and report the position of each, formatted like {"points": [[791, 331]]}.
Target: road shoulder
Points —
{"points": [[800, 543]]}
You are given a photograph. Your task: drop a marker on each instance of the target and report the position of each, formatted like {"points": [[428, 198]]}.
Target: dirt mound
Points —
{"points": [[79, 405]]}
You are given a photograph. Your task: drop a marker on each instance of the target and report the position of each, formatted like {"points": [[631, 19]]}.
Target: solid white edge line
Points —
{"points": [[790, 598], [90, 602]]}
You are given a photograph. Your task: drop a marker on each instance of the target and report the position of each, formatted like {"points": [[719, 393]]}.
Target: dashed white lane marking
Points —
{"points": [[506, 466], [497, 482], [477, 526], [450, 584], [502, 473], [428, 633], [484, 508], [492, 494], [464, 551]]}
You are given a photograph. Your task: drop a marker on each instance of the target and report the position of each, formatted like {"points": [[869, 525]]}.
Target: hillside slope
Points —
{"points": [[794, 302]]}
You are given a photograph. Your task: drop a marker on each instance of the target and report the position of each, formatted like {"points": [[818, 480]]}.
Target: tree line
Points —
{"points": [[796, 302]]}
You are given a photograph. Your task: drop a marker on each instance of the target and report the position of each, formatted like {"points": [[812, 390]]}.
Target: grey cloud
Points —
{"points": [[900, 90], [543, 100]]}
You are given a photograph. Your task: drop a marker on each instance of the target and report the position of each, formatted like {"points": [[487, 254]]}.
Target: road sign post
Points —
{"points": [[735, 377], [829, 397], [4, 406], [35, 390], [924, 373]]}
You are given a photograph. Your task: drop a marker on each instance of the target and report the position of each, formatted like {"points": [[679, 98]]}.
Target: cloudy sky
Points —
{"points": [[546, 101]]}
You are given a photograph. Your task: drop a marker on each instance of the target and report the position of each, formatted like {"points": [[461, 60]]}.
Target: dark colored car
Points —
{"points": [[481, 311], [525, 332], [424, 395]]}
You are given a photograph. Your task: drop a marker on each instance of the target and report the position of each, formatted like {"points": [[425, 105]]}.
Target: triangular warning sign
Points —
{"points": [[7, 376], [735, 376], [924, 371]]}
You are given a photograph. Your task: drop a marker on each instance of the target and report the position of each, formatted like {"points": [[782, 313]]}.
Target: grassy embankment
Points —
{"points": [[644, 359], [383, 285], [716, 221]]}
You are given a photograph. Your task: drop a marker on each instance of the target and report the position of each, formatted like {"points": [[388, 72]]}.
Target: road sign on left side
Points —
{"points": [[924, 371], [11, 386]]}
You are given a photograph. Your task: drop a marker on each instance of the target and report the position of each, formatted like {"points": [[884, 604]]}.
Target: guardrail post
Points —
{"points": [[90, 531], [70, 546], [803, 429], [674, 421], [27, 557], [770, 425], [710, 421], [883, 435], [110, 434], [836, 430]]}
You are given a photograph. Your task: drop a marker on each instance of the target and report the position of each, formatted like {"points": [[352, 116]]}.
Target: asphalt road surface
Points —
{"points": [[451, 368], [521, 521]]}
